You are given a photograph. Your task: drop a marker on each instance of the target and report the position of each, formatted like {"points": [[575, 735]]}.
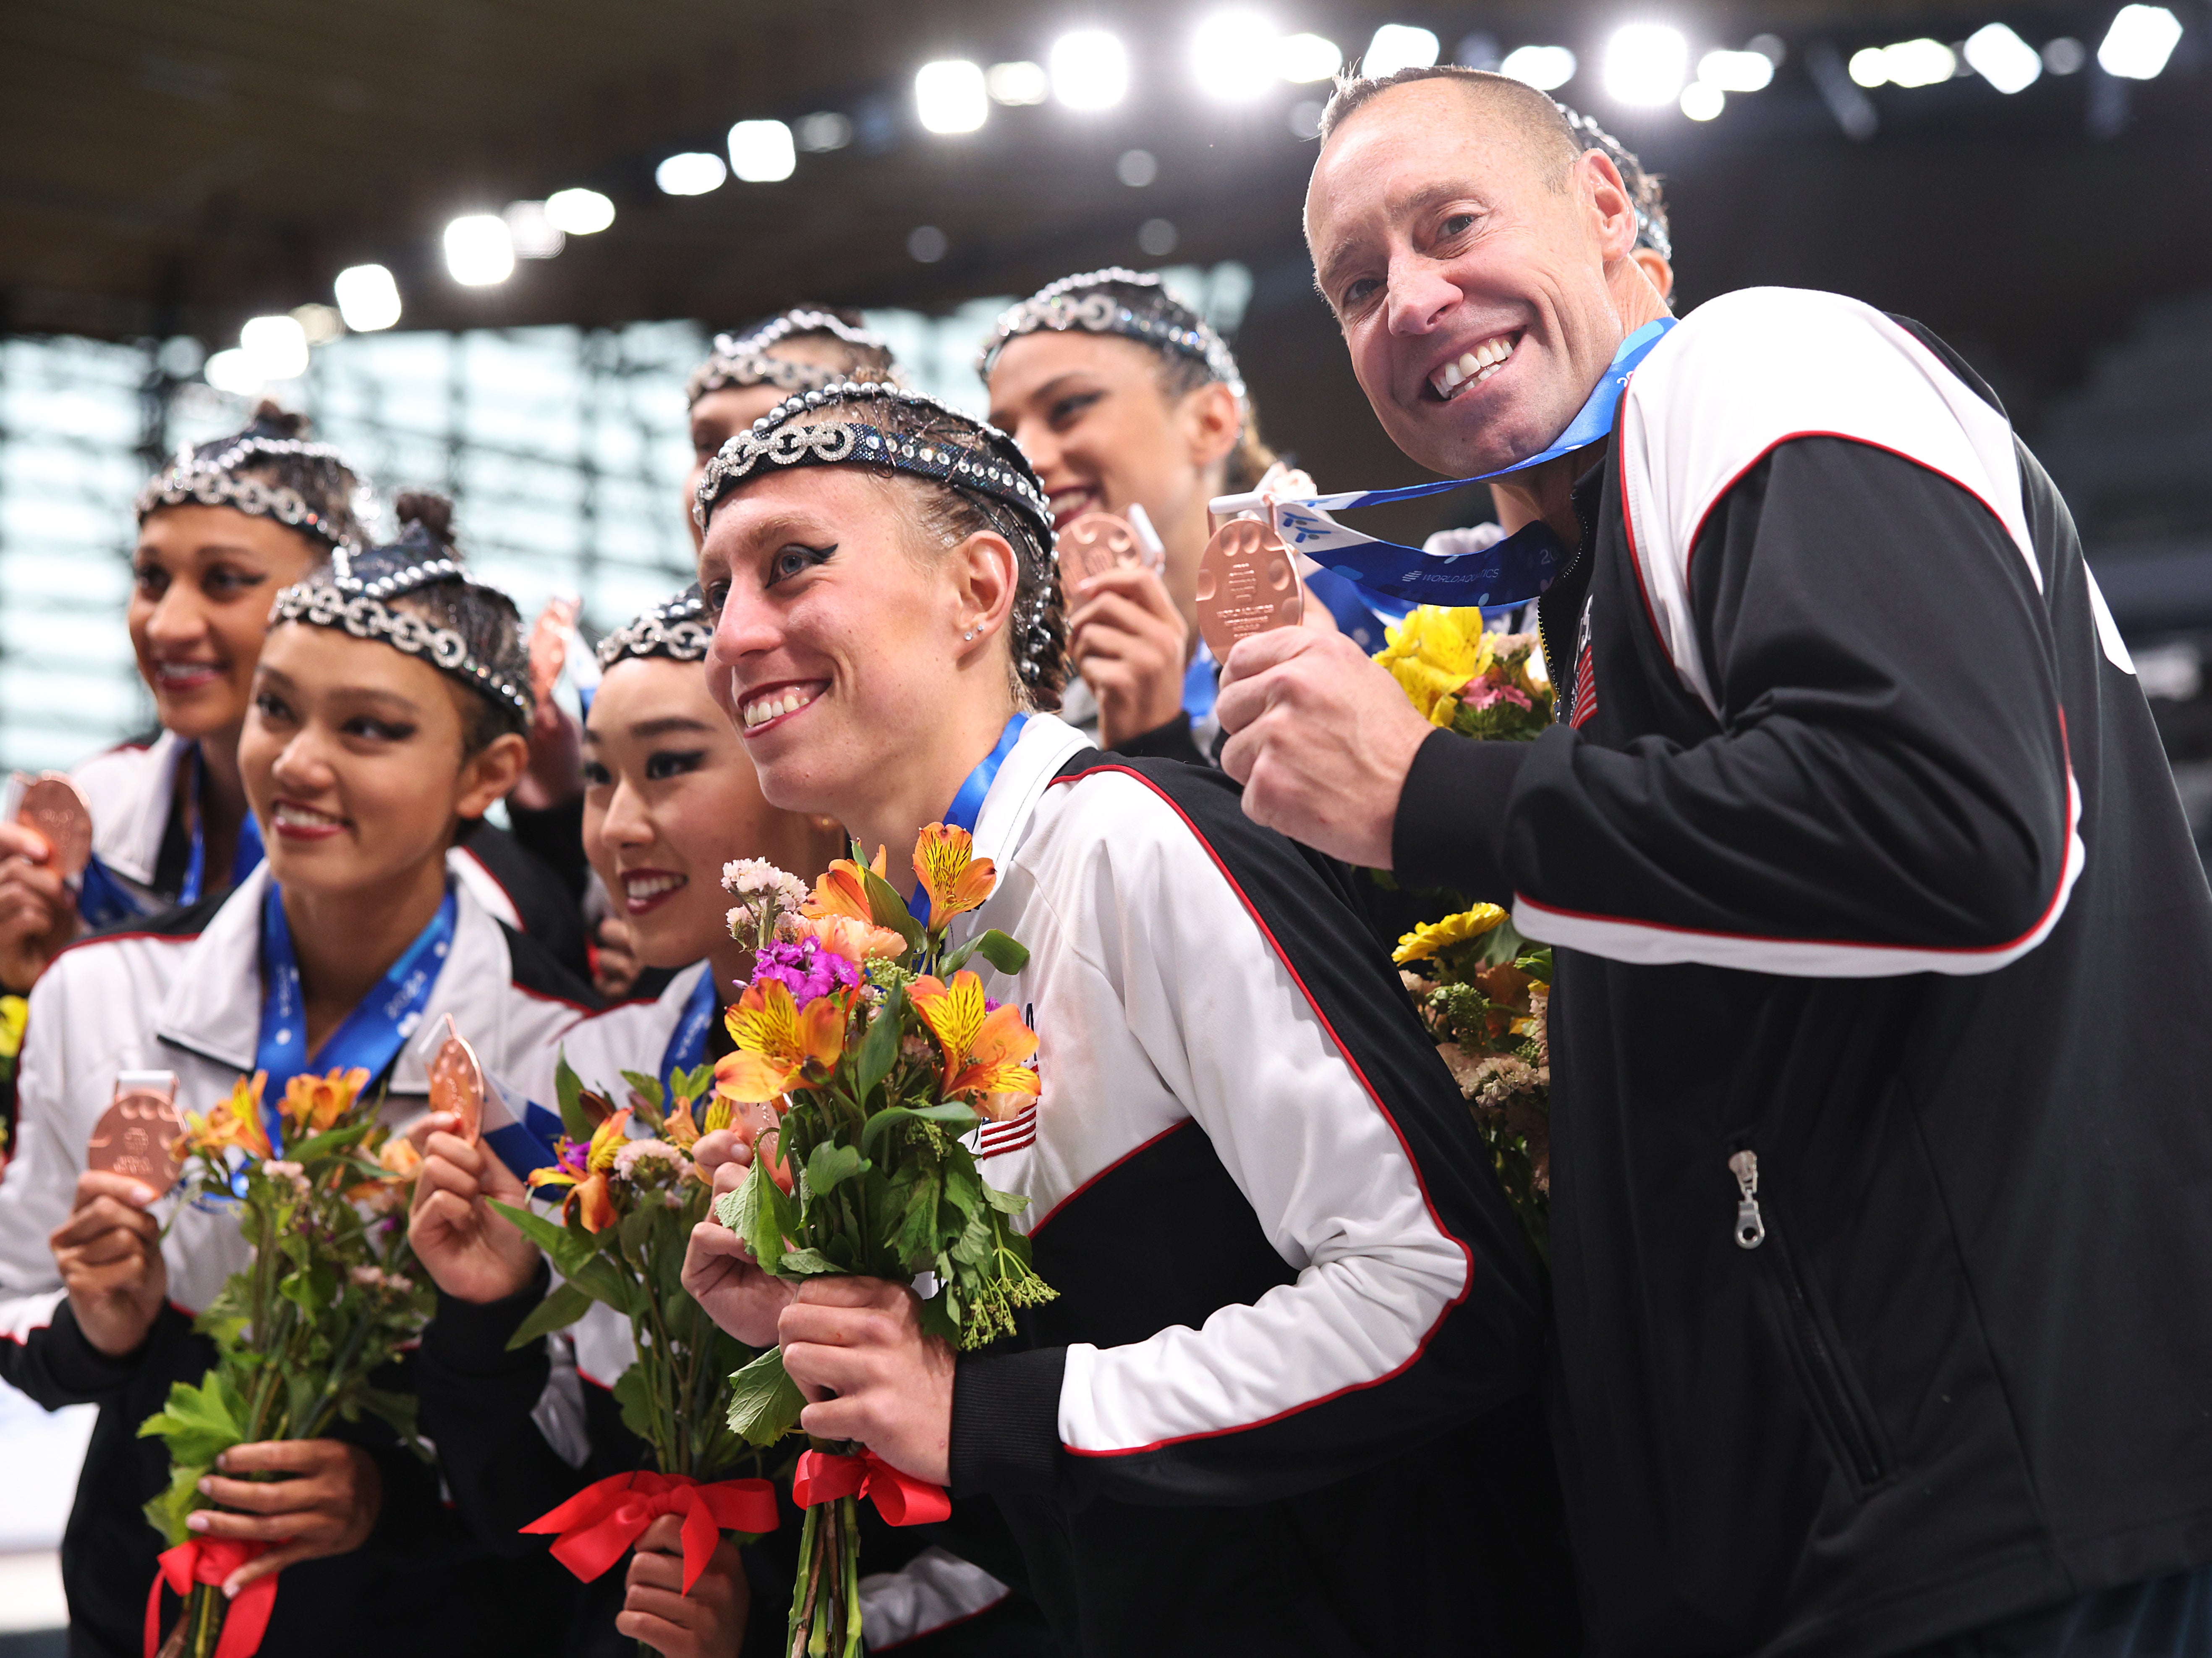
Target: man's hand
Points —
{"points": [[856, 1348], [109, 1251], [1129, 641], [1323, 740], [327, 1504], [37, 914], [719, 1272], [708, 1622], [470, 1251]]}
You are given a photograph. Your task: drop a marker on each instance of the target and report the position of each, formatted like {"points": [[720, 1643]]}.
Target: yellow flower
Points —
{"points": [[1431, 936], [842, 890], [235, 1121], [15, 1013], [956, 879], [313, 1104], [1432, 655], [399, 1158], [606, 1140], [777, 1040], [983, 1050]]}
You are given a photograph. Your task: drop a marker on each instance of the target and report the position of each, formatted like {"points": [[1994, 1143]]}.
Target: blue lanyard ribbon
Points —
{"points": [[1507, 572], [967, 804], [371, 1035], [687, 1042]]}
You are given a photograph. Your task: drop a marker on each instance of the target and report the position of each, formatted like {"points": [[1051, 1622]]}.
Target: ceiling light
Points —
{"points": [[761, 152], [367, 297], [693, 173], [1302, 57], [824, 130], [1736, 71], [320, 324], [532, 232], [276, 348], [1869, 67], [479, 251], [1156, 237], [1018, 82], [1920, 62], [1396, 47], [1137, 168], [578, 212], [2139, 42], [1088, 69], [1645, 64], [1769, 47], [1303, 118], [2002, 59], [230, 371], [1702, 101], [926, 243], [1545, 67], [950, 97], [1232, 55], [2064, 55]]}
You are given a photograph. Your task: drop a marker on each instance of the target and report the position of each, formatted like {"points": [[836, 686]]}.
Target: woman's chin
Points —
{"points": [[198, 713]]}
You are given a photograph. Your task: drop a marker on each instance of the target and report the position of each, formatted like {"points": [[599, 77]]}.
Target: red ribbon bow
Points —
{"points": [[901, 1498], [212, 1560], [597, 1525]]}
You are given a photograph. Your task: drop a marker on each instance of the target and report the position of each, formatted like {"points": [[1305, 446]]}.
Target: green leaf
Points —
{"points": [[560, 1310], [764, 1402], [1007, 1203], [805, 1262], [889, 910], [1008, 955], [568, 1089], [1501, 944], [569, 1249], [691, 1086], [198, 1423], [168, 1511], [754, 1213], [956, 1118], [830, 1166], [635, 1399], [879, 1049], [646, 1085]]}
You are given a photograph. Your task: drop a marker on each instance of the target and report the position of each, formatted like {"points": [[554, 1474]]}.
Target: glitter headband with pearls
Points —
{"points": [[352, 598], [214, 481], [676, 628], [1082, 302], [741, 359]]}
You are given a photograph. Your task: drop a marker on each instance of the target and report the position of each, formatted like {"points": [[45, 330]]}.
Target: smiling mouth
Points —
{"points": [[1068, 505], [304, 822], [1474, 367], [646, 889], [186, 676], [779, 702]]}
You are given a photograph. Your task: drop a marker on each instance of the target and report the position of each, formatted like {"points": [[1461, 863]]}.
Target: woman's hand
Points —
{"points": [[471, 1252], [38, 912], [708, 1622], [614, 966], [1129, 643], [326, 1504], [856, 1348], [719, 1272], [109, 1251]]}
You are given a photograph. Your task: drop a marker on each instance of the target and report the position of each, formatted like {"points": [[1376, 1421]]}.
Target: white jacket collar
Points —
{"points": [[1046, 744], [131, 792]]}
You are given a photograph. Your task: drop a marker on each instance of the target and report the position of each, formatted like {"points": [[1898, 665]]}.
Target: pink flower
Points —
{"points": [[1488, 693]]}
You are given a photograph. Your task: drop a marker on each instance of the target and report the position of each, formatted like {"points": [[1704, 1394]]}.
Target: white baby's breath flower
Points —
{"points": [[634, 1152]]}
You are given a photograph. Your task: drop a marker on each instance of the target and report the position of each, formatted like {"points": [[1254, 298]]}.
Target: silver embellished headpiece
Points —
{"points": [[740, 360], [1156, 319], [985, 467], [676, 628], [353, 595], [223, 479]]}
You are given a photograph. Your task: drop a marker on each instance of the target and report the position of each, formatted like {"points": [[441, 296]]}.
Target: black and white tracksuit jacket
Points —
{"points": [[1860, 855], [183, 994], [1287, 1399]]}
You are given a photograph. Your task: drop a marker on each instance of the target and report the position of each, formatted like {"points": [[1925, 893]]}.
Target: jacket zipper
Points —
{"points": [[1835, 1397], [1563, 698]]}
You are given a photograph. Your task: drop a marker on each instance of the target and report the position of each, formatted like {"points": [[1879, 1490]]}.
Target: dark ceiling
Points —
{"points": [[172, 167]]}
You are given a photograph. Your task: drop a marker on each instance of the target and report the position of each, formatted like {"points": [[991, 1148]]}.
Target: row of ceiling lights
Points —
{"points": [[1234, 57]]}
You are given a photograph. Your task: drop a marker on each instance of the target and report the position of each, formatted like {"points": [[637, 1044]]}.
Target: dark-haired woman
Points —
{"points": [[1286, 1401], [388, 701]]}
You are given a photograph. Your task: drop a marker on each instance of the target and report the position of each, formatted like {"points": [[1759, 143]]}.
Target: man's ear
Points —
{"points": [[1612, 208], [1211, 423], [490, 774]]}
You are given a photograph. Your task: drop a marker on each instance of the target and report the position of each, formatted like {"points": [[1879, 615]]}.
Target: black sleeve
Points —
{"points": [[555, 836], [54, 1365], [540, 894], [1172, 741], [1888, 767]]}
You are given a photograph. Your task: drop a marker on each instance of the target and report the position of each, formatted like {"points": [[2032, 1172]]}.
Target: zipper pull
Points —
{"points": [[1750, 1230]]}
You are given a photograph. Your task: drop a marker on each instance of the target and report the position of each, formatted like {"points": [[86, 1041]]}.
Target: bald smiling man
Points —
{"points": [[1882, 1089]]}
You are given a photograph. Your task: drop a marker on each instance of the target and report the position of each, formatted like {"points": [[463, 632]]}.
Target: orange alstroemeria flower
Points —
{"points": [[235, 1121], [983, 1051], [956, 879], [679, 1128], [583, 1169], [842, 891], [851, 937], [313, 1104], [777, 1040]]}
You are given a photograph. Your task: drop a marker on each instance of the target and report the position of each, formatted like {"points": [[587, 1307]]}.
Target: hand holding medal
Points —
{"points": [[44, 847], [457, 1084]]}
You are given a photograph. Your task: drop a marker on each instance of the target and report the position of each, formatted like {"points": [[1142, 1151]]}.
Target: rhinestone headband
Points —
{"points": [[675, 628], [213, 481], [1082, 302], [353, 599], [741, 359]]}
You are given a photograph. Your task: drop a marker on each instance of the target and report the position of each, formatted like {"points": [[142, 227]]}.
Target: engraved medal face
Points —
{"points": [[549, 646], [1096, 543], [52, 805], [456, 1082], [1246, 585], [138, 1137]]}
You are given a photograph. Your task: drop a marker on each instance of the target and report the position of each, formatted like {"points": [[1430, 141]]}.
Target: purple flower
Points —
{"points": [[804, 968]]}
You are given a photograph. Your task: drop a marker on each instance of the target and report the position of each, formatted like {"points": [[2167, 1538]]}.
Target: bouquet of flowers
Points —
{"points": [[874, 1048], [326, 1302], [630, 1202], [1465, 679]]}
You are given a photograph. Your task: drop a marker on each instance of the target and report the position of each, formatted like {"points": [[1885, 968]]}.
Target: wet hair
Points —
{"points": [[1644, 194], [304, 485], [751, 357]]}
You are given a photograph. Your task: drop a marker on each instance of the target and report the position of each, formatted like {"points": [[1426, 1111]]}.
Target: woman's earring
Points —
{"points": [[969, 635]]}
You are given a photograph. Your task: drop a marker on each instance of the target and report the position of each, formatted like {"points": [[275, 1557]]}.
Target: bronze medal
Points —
{"points": [[52, 805], [139, 1134], [1246, 585], [456, 1082], [1096, 543]]}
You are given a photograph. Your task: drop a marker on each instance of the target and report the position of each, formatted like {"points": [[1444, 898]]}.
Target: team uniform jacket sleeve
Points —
{"points": [[1883, 784], [1262, 1006]]}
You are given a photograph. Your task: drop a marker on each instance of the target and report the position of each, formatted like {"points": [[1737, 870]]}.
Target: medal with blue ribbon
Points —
{"points": [[1509, 571]]}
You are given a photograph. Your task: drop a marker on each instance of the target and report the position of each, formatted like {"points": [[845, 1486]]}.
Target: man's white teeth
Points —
{"points": [[651, 885], [305, 816], [1477, 365], [760, 712]]}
